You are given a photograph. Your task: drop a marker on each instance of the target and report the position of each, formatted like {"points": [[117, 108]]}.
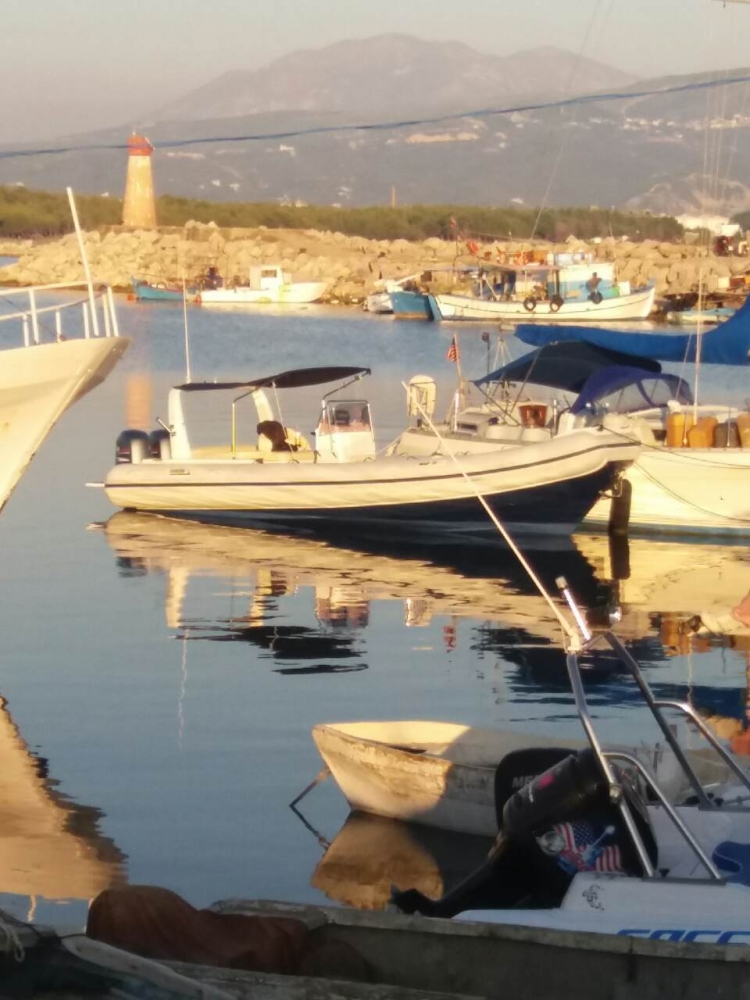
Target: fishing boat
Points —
{"points": [[160, 291], [268, 284], [280, 479], [70, 342], [547, 292]]}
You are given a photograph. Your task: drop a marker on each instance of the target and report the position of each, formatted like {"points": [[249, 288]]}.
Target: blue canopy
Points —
{"points": [[626, 390], [727, 344]]}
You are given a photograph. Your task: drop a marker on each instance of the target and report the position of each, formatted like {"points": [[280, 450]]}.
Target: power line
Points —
{"points": [[567, 102]]}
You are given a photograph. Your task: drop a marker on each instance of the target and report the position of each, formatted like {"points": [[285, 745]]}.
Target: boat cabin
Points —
{"points": [[344, 432], [268, 278]]}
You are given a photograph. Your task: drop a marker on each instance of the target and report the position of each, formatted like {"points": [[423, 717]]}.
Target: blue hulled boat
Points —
{"points": [[145, 291]]}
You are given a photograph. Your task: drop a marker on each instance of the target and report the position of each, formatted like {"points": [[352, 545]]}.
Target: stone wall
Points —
{"points": [[350, 264]]}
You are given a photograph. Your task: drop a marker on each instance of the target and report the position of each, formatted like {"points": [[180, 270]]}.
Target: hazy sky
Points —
{"points": [[74, 65]]}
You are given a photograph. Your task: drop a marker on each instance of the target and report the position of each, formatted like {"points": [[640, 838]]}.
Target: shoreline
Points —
{"points": [[352, 266]]}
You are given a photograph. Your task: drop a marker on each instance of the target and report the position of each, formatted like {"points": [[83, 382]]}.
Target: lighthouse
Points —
{"points": [[139, 208]]}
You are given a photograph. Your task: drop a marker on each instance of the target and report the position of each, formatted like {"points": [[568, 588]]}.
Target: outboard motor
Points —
{"points": [[559, 823], [160, 444], [132, 446]]}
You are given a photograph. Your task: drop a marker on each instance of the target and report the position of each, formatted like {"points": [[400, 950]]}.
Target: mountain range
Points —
{"points": [[666, 152]]}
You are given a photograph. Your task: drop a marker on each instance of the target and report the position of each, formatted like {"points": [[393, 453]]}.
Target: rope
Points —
{"points": [[571, 634]]}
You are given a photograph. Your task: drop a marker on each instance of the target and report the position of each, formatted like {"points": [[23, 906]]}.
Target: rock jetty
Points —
{"points": [[351, 265]]}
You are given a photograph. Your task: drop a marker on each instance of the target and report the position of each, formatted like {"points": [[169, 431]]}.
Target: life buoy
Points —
{"points": [[529, 304], [555, 303], [596, 297]]}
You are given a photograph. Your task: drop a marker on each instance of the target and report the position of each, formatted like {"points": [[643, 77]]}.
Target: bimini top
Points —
{"points": [[297, 378], [565, 365], [623, 389]]}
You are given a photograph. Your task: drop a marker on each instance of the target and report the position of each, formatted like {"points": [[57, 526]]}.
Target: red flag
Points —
{"points": [[452, 353]]}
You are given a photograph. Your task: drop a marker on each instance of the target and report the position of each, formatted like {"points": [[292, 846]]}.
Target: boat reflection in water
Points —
{"points": [[473, 583], [370, 854], [51, 848], [661, 605]]}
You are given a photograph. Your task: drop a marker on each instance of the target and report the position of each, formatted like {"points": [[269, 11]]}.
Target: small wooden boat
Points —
{"points": [[407, 958], [442, 774]]}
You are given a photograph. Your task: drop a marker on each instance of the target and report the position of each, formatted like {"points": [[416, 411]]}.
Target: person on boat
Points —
{"points": [[273, 431], [592, 285]]}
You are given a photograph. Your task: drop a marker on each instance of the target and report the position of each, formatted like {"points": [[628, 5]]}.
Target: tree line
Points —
{"points": [[28, 213]]}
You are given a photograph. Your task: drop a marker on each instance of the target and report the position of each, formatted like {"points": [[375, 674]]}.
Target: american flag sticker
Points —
{"points": [[582, 847]]}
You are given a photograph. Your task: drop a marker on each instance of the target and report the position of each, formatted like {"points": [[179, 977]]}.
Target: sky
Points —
{"points": [[76, 65]]}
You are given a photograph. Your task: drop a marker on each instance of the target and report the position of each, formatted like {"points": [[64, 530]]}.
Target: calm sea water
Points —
{"points": [[160, 680]]}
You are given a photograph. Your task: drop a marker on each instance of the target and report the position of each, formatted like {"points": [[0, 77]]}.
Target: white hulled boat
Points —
{"points": [[267, 285], [281, 480], [547, 292], [62, 358]]}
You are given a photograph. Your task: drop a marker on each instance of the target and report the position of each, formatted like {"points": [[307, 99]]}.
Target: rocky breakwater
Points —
{"points": [[352, 266]]}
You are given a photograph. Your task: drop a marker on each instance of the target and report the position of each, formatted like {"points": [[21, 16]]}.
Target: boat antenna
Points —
{"points": [[573, 636], [185, 326], [84, 259]]}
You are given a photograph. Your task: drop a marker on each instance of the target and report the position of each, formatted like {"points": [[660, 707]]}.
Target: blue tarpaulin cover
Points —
{"points": [[727, 344]]}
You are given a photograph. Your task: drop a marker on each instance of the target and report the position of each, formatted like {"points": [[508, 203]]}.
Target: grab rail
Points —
{"points": [[589, 641], [29, 317]]}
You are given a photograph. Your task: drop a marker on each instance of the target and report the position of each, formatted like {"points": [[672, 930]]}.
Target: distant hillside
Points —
{"points": [[638, 153], [392, 75]]}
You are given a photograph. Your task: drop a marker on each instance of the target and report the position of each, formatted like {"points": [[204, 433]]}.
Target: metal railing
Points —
{"points": [[92, 315], [656, 706]]}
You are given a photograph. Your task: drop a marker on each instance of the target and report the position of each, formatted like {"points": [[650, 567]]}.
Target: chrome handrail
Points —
{"points": [[589, 641], [713, 873], [88, 305]]}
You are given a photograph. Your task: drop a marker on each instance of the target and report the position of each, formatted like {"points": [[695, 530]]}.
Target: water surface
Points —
{"points": [[160, 679]]}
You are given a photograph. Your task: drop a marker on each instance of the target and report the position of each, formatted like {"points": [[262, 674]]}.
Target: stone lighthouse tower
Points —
{"points": [[139, 208]]}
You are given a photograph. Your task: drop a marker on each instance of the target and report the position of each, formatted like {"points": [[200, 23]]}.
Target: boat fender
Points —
{"points": [[596, 298], [160, 444], [555, 303], [131, 446], [619, 511], [529, 304]]}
